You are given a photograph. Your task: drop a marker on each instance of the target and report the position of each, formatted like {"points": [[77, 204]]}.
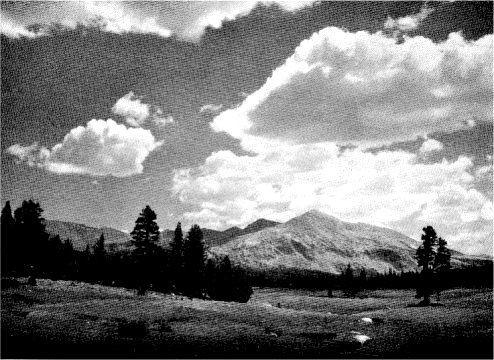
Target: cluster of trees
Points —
{"points": [[184, 267]]}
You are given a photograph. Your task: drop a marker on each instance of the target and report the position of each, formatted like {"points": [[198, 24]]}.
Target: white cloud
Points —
{"points": [[113, 17], [210, 108], [136, 113], [431, 145], [101, 148], [162, 121], [390, 188], [212, 14], [132, 109], [410, 22], [188, 20], [13, 30], [365, 88]]}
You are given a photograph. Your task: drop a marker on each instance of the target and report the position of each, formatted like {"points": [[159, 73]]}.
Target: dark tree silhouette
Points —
{"points": [[176, 257], [194, 256], [425, 255], [99, 247], [33, 238], [442, 265], [9, 250], [348, 282], [226, 282], [145, 237]]}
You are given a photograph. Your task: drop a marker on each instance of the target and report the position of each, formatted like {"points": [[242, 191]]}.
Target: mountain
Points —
{"points": [[81, 235], [316, 241], [215, 238]]}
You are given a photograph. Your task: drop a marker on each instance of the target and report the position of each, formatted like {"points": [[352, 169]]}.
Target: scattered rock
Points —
{"points": [[361, 338], [366, 320]]}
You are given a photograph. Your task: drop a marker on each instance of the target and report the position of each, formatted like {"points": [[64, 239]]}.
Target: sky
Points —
{"points": [[220, 113]]}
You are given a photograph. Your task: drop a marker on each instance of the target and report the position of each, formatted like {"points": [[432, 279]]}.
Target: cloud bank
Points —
{"points": [[100, 148], [186, 20], [390, 188], [366, 88]]}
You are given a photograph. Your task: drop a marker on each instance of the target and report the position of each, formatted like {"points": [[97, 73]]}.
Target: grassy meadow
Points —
{"points": [[65, 319]]}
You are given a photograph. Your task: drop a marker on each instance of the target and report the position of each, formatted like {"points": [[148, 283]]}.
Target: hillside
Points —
{"points": [[81, 234], [317, 241], [214, 238]]}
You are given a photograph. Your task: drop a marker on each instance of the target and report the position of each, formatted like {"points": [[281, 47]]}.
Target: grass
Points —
{"points": [[63, 319]]}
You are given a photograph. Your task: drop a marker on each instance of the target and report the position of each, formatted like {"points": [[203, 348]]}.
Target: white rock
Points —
{"points": [[366, 320], [361, 338]]}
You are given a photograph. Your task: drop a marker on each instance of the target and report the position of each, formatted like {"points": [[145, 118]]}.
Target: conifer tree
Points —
{"points": [[441, 265], [99, 254], [32, 236], [8, 244], [177, 256], [145, 237], [99, 247], [425, 255], [194, 256]]}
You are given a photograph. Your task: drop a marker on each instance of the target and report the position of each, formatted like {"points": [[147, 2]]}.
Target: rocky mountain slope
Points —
{"points": [[81, 235], [317, 241]]}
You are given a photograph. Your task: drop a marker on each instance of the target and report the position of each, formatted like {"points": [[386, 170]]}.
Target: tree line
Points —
{"points": [[184, 267]]}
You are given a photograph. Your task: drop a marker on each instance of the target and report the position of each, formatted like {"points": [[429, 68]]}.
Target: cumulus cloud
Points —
{"points": [[212, 14], [100, 148], [13, 30], [210, 108], [113, 17], [187, 20], [136, 113], [132, 109], [431, 145], [365, 88], [410, 22]]}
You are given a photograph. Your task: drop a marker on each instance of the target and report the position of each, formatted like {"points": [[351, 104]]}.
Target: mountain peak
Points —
{"points": [[259, 224], [314, 216]]}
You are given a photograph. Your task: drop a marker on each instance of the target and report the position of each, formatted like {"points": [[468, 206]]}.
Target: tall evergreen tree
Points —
{"points": [[194, 262], [425, 255], [441, 265], [99, 247], [98, 259], [145, 237], [30, 227], [8, 244], [177, 256], [348, 282]]}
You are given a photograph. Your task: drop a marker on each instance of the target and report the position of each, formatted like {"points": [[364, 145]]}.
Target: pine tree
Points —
{"points": [[441, 265], [194, 262], [349, 287], [425, 255], [177, 256], [145, 237], [33, 238], [9, 251], [99, 247], [98, 258]]}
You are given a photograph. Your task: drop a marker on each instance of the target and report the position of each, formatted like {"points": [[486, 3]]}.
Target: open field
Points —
{"points": [[71, 319]]}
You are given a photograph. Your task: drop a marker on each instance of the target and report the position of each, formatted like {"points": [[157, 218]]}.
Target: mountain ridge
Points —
{"points": [[321, 242]]}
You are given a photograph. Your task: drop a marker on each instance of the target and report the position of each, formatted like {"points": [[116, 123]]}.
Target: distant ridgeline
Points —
{"points": [[313, 250]]}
